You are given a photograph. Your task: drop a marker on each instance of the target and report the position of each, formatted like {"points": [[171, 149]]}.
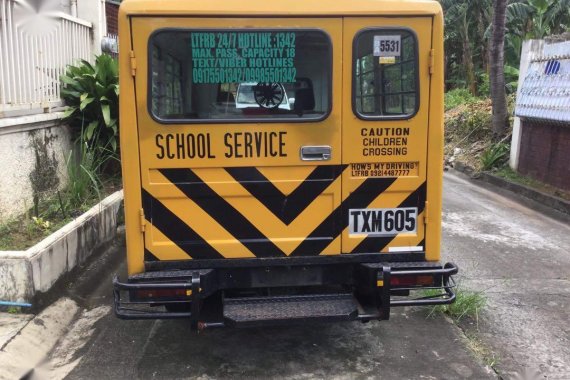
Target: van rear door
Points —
{"points": [[385, 133], [239, 126]]}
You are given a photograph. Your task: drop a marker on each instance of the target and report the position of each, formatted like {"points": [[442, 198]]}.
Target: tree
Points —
{"points": [[497, 74], [466, 53]]}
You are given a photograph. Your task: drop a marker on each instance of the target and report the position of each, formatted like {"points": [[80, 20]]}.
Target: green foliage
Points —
{"points": [[533, 19], [465, 41], [469, 121], [85, 188], [484, 85], [494, 156], [468, 25], [91, 93], [511, 79], [22, 232], [83, 169], [41, 223], [510, 175], [467, 304], [458, 96]]}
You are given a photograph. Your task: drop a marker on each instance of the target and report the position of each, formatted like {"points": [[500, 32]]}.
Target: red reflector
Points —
{"points": [[161, 293], [411, 280]]}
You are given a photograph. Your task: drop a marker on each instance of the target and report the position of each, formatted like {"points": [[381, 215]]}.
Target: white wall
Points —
{"points": [[530, 49], [34, 152], [94, 12]]}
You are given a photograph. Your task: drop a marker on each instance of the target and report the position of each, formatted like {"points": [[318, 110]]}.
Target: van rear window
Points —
{"points": [[239, 75], [385, 81]]}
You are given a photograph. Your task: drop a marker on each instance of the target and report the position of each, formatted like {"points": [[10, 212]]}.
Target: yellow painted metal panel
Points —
{"points": [[435, 142], [285, 173], [282, 8], [148, 179], [130, 152]]}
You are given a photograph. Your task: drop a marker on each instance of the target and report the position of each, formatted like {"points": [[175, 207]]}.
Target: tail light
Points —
{"points": [[420, 280], [163, 293]]}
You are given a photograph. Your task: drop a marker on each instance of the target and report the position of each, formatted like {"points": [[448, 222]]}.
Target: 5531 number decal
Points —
{"points": [[387, 46], [382, 221]]}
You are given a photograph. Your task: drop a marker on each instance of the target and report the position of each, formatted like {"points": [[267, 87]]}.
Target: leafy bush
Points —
{"points": [[484, 86], [91, 93], [470, 122], [494, 156], [511, 79], [458, 96], [84, 181]]}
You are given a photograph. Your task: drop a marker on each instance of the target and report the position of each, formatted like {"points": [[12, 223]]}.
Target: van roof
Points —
{"points": [[281, 8]]}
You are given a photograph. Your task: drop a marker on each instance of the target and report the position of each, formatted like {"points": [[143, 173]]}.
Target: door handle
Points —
{"points": [[316, 153]]}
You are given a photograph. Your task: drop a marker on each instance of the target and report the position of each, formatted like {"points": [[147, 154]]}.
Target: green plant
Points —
{"points": [[469, 123], [494, 155], [91, 93], [458, 96], [484, 85], [41, 223], [511, 79], [467, 304], [83, 167], [14, 309]]}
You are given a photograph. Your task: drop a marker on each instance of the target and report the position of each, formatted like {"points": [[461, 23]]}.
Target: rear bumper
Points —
{"points": [[223, 296]]}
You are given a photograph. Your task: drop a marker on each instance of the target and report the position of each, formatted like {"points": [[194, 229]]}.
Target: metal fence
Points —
{"points": [[110, 45], [31, 62]]}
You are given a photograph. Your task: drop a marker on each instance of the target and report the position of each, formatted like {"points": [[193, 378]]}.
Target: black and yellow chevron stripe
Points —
{"points": [[195, 218]]}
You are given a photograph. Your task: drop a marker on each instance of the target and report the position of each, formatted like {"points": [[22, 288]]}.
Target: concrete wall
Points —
{"points": [[541, 133], [34, 152], [530, 49], [544, 152]]}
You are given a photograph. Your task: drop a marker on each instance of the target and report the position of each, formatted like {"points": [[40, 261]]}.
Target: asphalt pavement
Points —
{"points": [[518, 258]]}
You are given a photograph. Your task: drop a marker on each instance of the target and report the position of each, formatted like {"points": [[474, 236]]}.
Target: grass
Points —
{"points": [[458, 96], [469, 137], [14, 310], [24, 231], [494, 156], [86, 187], [480, 349], [510, 175], [466, 308], [467, 304]]}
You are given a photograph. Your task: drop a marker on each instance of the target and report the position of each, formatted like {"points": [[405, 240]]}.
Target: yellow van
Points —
{"points": [[282, 161]]}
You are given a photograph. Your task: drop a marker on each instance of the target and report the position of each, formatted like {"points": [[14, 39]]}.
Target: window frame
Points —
{"points": [[365, 117], [255, 120]]}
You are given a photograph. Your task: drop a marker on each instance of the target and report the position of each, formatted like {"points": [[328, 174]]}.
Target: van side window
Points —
{"points": [[385, 74], [223, 76]]}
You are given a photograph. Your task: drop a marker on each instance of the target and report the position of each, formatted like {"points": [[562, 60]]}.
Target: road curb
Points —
{"points": [[548, 204], [28, 349]]}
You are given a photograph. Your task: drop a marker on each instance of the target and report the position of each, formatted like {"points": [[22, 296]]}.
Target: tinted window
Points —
{"points": [[385, 73], [215, 75]]}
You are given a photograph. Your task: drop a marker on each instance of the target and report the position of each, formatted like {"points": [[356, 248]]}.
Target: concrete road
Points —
{"points": [[520, 259], [517, 257]]}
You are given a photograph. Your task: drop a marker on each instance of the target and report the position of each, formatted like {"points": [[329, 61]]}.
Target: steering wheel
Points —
{"points": [[269, 95]]}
